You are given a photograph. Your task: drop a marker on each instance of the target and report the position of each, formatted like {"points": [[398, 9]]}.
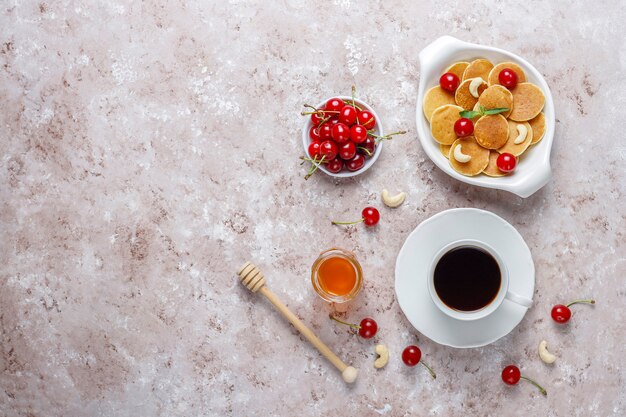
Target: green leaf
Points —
{"points": [[496, 110], [469, 114]]}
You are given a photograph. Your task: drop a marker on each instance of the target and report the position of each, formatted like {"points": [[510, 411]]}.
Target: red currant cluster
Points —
{"points": [[342, 135]]}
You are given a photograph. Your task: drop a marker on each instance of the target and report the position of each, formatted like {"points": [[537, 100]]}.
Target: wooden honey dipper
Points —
{"points": [[254, 280]]}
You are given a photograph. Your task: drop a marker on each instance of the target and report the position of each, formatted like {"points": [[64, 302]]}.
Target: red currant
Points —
{"points": [[463, 127], [358, 133], [511, 376], [347, 115], [506, 162], [328, 149], [340, 133], [562, 313], [325, 131], [411, 355], [366, 119], [508, 78], [449, 82], [368, 147], [370, 216], [355, 163], [347, 150], [334, 166], [367, 328], [334, 104], [314, 149], [314, 133]]}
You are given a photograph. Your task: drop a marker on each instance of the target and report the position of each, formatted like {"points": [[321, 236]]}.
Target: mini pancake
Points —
{"points": [[528, 100], [436, 97], [492, 169], [445, 150], [497, 96], [491, 131], [464, 98], [495, 72], [510, 146], [479, 161], [478, 68], [539, 127], [442, 123], [457, 69]]}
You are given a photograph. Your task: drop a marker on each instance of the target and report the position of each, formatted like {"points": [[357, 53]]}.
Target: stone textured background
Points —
{"points": [[148, 150]]}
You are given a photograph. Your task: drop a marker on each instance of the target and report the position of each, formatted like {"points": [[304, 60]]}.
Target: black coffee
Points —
{"points": [[467, 278]]}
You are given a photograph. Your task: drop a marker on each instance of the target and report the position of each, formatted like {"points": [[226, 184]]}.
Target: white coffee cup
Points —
{"points": [[503, 292]]}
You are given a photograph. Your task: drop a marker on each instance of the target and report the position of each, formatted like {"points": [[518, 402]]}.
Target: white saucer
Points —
{"points": [[416, 255]]}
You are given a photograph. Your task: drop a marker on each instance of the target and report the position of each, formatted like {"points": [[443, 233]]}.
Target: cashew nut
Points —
{"points": [[460, 156], [392, 200], [474, 84], [545, 356], [522, 131], [383, 356]]}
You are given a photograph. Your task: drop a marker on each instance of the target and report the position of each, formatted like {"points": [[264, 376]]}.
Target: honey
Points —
{"points": [[336, 275]]}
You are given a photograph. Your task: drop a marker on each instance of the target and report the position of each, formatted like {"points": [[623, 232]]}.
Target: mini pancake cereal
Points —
{"points": [[520, 137], [478, 68], [491, 131], [434, 98], [504, 112], [442, 126], [477, 156]]}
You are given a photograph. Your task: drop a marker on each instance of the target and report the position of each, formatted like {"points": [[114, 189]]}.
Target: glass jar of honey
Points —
{"points": [[336, 275]]}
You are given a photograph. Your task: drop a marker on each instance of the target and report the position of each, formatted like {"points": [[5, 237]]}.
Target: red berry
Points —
{"points": [[358, 133], [411, 355], [449, 82], [334, 104], [506, 162], [561, 313], [463, 127], [508, 78], [355, 163], [368, 328], [347, 150], [333, 121], [347, 115], [325, 131], [370, 216], [334, 166], [317, 117], [511, 375], [314, 133], [366, 119], [340, 133], [314, 149], [368, 147], [329, 150]]}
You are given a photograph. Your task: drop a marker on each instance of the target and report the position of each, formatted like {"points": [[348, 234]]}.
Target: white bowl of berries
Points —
{"points": [[342, 137]]}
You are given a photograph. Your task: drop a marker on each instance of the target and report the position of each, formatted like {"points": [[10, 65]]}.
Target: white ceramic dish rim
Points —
{"points": [[306, 140], [534, 170]]}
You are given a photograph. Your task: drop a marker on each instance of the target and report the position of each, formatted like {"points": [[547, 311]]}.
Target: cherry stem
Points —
{"points": [[581, 302], [320, 112], [354, 326], [365, 150], [432, 373], [543, 391], [386, 137], [315, 164], [353, 94], [348, 223]]}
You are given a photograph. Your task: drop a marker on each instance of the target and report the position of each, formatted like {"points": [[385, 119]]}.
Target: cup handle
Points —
{"points": [[518, 299]]}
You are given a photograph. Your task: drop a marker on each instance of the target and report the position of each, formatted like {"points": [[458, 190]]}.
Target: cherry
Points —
{"points": [[347, 150], [347, 115], [511, 376], [412, 355], [508, 78], [358, 133], [333, 121], [334, 165], [463, 127], [325, 131], [314, 150], [334, 104], [314, 133], [449, 82], [366, 119], [340, 133], [328, 149], [355, 163], [561, 313], [367, 327], [368, 147], [369, 216], [506, 162], [317, 117]]}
